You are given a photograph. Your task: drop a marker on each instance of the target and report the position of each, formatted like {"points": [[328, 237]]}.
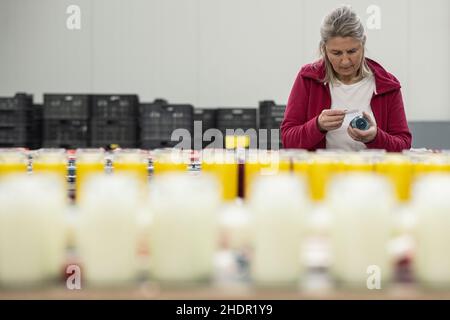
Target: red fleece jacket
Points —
{"points": [[309, 96]]}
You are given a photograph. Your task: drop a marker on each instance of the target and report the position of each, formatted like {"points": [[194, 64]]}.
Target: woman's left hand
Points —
{"points": [[364, 136]]}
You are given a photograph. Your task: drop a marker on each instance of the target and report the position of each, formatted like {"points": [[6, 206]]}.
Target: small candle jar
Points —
{"points": [[184, 233], [431, 203], [277, 227], [361, 206], [32, 229], [107, 231]]}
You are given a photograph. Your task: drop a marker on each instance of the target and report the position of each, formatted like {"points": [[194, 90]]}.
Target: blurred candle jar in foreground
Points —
{"points": [[108, 230], [87, 163], [278, 205], [133, 162], [222, 164], [170, 160], [237, 142], [286, 157], [357, 162], [12, 161], [399, 171], [53, 161], [432, 163], [32, 237], [184, 233], [262, 163], [301, 160], [323, 166], [431, 203], [361, 206]]}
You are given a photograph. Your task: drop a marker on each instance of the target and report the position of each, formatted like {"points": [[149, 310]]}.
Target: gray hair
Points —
{"points": [[342, 22]]}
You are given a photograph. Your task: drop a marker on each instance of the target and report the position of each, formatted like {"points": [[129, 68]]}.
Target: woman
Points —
{"points": [[329, 93]]}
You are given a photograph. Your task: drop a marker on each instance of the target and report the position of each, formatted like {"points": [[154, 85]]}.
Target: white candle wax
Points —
{"points": [[278, 204], [32, 234], [108, 230], [361, 214], [431, 202], [184, 228]]}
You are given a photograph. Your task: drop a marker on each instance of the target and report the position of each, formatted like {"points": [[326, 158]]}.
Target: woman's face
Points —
{"points": [[345, 55]]}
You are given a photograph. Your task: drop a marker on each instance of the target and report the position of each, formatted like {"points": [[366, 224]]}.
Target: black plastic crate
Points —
{"points": [[270, 123], [268, 109], [158, 121], [34, 126], [207, 116], [20, 101], [275, 112], [123, 132], [13, 110], [11, 118], [13, 136], [144, 107], [270, 114], [236, 118], [69, 134], [208, 121], [270, 117], [168, 113], [35, 113], [114, 106], [66, 106]]}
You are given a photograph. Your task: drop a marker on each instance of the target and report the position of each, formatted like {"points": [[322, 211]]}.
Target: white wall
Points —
{"points": [[212, 52]]}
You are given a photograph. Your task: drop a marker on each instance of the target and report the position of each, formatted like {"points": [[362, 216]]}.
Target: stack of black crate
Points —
{"points": [[66, 121], [270, 117], [159, 119], [13, 120], [207, 119], [236, 118], [114, 121], [34, 126]]}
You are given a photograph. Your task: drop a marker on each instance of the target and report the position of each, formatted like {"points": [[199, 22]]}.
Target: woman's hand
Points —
{"points": [[364, 136], [330, 119]]}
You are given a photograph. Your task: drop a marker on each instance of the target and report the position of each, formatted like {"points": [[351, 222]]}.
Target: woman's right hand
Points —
{"points": [[330, 119]]}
